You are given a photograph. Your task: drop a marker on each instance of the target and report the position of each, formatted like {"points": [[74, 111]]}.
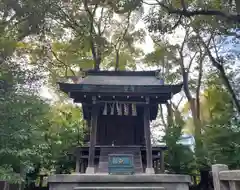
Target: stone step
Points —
{"points": [[119, 188]]}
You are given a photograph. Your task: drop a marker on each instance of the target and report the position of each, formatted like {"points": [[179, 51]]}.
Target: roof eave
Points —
{"points": [[66, 87]]}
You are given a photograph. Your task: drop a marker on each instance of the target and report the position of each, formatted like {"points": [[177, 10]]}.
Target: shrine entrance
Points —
{"points": [[112, 129]]}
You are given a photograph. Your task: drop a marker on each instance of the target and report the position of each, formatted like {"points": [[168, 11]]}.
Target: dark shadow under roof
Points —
{"points": [[121, 73]]}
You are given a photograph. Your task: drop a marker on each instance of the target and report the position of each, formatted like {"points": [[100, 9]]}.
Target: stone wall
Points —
{"points": [[225, 179]]}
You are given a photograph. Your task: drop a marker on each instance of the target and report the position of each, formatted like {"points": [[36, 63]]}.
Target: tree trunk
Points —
{"points": [[23, 176], [97, 64], [228, 86], [117, 61], [223, 75], [162, 117], [92, 32], [237, 6], [205, 183], [170, 114], [199, 85], [192, 102]]}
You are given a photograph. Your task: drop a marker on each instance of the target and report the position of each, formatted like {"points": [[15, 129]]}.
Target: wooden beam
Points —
{"points": [[162, 168], [147, 133], [93, 135], [123, 102]]}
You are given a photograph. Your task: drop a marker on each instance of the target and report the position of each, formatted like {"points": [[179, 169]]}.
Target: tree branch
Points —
{"points": [[96, 57], [183, 5], [120, 40], [209, 12], [191, 61], [169, 114], [200, 75], [191, 100], [177, 23], [185, 72], [149, 3], [178, 104], [100, 22], [223, 75], [64, 64], [199, 82]]}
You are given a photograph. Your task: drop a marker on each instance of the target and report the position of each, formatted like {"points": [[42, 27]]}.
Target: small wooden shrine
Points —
{"points": [[119, 106]]}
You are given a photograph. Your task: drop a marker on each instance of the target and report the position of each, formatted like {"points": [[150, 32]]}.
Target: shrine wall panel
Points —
{"points": [[122, 130]]}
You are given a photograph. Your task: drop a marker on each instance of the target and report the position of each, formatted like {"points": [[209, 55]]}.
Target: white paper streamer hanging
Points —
{"points": [[112, 108], [119, 108], [126, 109], [134, 110], [105, 109]]}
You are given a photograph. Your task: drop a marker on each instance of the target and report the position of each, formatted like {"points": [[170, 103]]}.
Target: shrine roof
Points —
{"points": [[121, 78], [121, 81]]}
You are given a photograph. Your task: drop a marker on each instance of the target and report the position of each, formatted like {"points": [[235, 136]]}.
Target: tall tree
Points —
{"points": [[208, 30]]}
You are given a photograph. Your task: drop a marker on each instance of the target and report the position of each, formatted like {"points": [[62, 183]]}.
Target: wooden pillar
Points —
{"points": [[93, 135], [147, 133], [162, 168], [81, 166], [77, 169]]}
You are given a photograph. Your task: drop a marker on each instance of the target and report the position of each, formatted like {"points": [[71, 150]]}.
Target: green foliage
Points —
{"points": [[179, 158], [222, 143], [33, 132], [65, 131], [215, 106], [21, 117], [58, 38], [207, 87], [7, 174]]}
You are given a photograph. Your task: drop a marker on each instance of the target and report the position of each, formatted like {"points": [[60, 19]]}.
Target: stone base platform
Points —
{"points": [[118, 182]]}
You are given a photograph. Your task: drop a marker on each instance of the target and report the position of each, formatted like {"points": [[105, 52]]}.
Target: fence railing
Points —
{"points": [[225, 179]]}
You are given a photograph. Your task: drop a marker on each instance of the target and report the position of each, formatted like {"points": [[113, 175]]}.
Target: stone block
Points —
{"points": [[119, 188], [90, 170], [150, 171], [105, 181]]}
